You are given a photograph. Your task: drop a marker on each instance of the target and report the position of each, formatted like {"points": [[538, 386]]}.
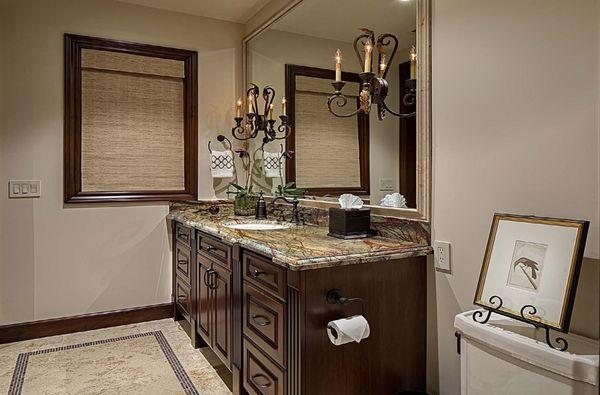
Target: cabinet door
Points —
{"points": [[203, 302], [221, 284]]}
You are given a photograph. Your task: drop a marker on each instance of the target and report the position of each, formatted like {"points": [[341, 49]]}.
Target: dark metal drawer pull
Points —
{"points": [[185, 235], [256, 273], [213, 282], [182, 298], [261, 320], [206, 273], [182, 262], [264, 385], [209, 248]]}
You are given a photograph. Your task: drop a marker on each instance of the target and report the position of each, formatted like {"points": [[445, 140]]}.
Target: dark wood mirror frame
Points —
{"points": [[293, 71], [73, 44]]}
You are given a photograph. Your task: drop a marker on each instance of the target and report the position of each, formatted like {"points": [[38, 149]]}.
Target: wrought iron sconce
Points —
{"points": [[374, 87], [256, 122]]}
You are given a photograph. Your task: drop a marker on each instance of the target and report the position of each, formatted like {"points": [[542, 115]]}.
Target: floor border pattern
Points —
{"points": [[16, 384]]}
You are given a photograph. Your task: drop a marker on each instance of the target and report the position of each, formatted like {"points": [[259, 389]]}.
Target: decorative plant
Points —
{"points": [[287, 189], [245, 198], [247, 189]]}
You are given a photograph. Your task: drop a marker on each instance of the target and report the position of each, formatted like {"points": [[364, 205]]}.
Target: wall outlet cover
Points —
{"points": [[387, 184], [442, 256]]}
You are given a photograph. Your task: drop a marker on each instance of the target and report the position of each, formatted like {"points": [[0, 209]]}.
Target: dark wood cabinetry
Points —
{"points": [[268, 323], [202, 290]]}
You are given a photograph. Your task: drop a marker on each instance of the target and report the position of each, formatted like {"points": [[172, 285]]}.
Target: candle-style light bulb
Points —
{"points": [[238, 108], [283, 106], [338, 65], [413, 63], [368, 50], [382, 66], [271, 111], [250, 103]]}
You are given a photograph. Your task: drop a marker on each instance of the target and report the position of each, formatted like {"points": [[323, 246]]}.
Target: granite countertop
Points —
{"points": [[298, 248]]}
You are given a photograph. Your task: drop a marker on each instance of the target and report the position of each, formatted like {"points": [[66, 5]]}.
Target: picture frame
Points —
{"points": [[532, 261]]}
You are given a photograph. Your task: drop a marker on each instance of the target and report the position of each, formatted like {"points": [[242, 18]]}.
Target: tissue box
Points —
{"points": [[349, 224]]}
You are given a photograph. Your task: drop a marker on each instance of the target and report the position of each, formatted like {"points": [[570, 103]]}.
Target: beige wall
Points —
{"points": [[57, 261], [515, 118]]}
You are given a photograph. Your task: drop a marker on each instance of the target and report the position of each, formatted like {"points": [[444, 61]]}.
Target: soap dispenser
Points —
{"points": [[261, 207]]}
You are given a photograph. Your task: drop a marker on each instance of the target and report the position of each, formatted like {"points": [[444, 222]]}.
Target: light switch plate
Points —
{"points": [[24, 189], [442, 256], [387, 184]]}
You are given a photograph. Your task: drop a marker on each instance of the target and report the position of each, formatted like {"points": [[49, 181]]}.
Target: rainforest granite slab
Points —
{"points": [[298, 248]]}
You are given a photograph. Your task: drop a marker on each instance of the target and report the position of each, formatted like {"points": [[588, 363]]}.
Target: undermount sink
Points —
{"points": [[258, 225]]}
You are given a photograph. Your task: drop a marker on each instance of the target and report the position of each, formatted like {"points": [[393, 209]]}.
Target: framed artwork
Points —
{"points": [[532, 261]]}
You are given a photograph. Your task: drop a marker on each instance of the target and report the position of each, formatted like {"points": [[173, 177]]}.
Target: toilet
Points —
{"points": [[506, 356]]}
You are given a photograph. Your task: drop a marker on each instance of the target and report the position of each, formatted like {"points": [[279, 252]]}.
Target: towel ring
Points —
{"points": [[220, 138]]}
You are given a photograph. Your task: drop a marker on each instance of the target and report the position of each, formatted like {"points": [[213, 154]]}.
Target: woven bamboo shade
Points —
{"points": [[132, 132], [327, 148]]}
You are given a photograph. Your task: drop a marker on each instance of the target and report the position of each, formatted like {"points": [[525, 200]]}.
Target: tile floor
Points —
{"points": [[147, 358]]}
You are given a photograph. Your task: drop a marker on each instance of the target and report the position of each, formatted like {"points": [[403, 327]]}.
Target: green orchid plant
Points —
{"points": [[288, 189], [245, 199]]}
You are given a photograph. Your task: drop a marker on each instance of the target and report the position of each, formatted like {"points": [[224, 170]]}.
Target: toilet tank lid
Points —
{"points": [[522, 341]]}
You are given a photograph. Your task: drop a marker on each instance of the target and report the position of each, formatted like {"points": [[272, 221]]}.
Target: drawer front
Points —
{"points": [[183, 234], [183, 262], [261, 376], [213, 248], [265, 275], [264, 322], [183, 298]]}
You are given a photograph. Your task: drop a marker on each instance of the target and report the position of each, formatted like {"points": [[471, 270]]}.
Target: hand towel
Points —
{"points": [[221, 164], [271, 164]]}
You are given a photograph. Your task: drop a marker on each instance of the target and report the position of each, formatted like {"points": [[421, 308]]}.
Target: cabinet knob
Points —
{"points": [[260, 320], [256, 273], [265, 380]]}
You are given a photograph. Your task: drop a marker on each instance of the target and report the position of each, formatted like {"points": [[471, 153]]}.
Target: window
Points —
{"points": [[130, 122]]}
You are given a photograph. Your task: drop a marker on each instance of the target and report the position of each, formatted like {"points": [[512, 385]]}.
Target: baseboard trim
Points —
{"points": [[60, 326]]}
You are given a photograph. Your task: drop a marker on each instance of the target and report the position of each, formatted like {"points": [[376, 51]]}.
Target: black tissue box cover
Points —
{"points": [[349, 224]]}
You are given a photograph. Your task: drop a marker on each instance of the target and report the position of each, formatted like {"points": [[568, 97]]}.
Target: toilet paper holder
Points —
{"points": [[334, 296]]}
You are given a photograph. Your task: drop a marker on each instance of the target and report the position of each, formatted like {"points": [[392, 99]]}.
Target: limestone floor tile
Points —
{"points": [[148, 358]]}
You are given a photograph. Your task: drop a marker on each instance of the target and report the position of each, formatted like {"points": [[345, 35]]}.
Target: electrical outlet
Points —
{"points": [[386, 184], [442, 256], [24, 189]]}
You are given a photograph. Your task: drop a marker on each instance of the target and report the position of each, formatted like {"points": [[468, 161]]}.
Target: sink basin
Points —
{"points": [[258, 225]]}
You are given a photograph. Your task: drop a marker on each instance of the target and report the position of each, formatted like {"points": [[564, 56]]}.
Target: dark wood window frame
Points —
{"points": [[73, 44], [291, 72]]}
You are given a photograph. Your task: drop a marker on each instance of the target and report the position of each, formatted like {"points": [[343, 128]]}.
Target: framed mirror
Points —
{"points": [[297, 51]]}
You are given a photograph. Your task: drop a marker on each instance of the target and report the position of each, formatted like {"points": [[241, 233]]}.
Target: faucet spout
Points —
{"points": [[296, 220]]}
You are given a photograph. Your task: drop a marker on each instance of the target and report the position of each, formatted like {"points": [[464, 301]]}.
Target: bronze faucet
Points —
{"points": [[296, 216]]}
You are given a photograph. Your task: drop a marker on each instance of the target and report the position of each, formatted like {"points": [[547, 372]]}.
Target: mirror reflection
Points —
{"points": [[344, 147]]}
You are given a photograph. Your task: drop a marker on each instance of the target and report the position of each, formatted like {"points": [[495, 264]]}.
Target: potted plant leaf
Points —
{"points": [[245, 199], [289, 189]]}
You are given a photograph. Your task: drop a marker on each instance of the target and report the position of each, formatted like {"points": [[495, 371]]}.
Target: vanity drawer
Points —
{"points": [[213, 248], [264, 322], [261, 376], [183, 262], [183, 298], [183, 234], [264, 274]]}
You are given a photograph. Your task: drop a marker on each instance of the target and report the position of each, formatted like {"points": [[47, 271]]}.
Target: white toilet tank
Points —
{"points": [[506, 356]]}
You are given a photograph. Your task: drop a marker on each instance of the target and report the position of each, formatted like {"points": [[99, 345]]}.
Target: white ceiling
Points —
{"points": [[340, 20], [229, 10]]}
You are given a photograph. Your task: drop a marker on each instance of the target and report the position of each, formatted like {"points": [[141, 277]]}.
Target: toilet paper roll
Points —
{"points": [[346, 330]]}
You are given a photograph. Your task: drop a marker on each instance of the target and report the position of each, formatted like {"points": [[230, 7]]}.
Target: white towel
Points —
{"points": [[271, 164], [221, 164]]}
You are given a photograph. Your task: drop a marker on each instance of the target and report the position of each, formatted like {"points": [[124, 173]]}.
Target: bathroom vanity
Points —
{"points": [[258, 299]]}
